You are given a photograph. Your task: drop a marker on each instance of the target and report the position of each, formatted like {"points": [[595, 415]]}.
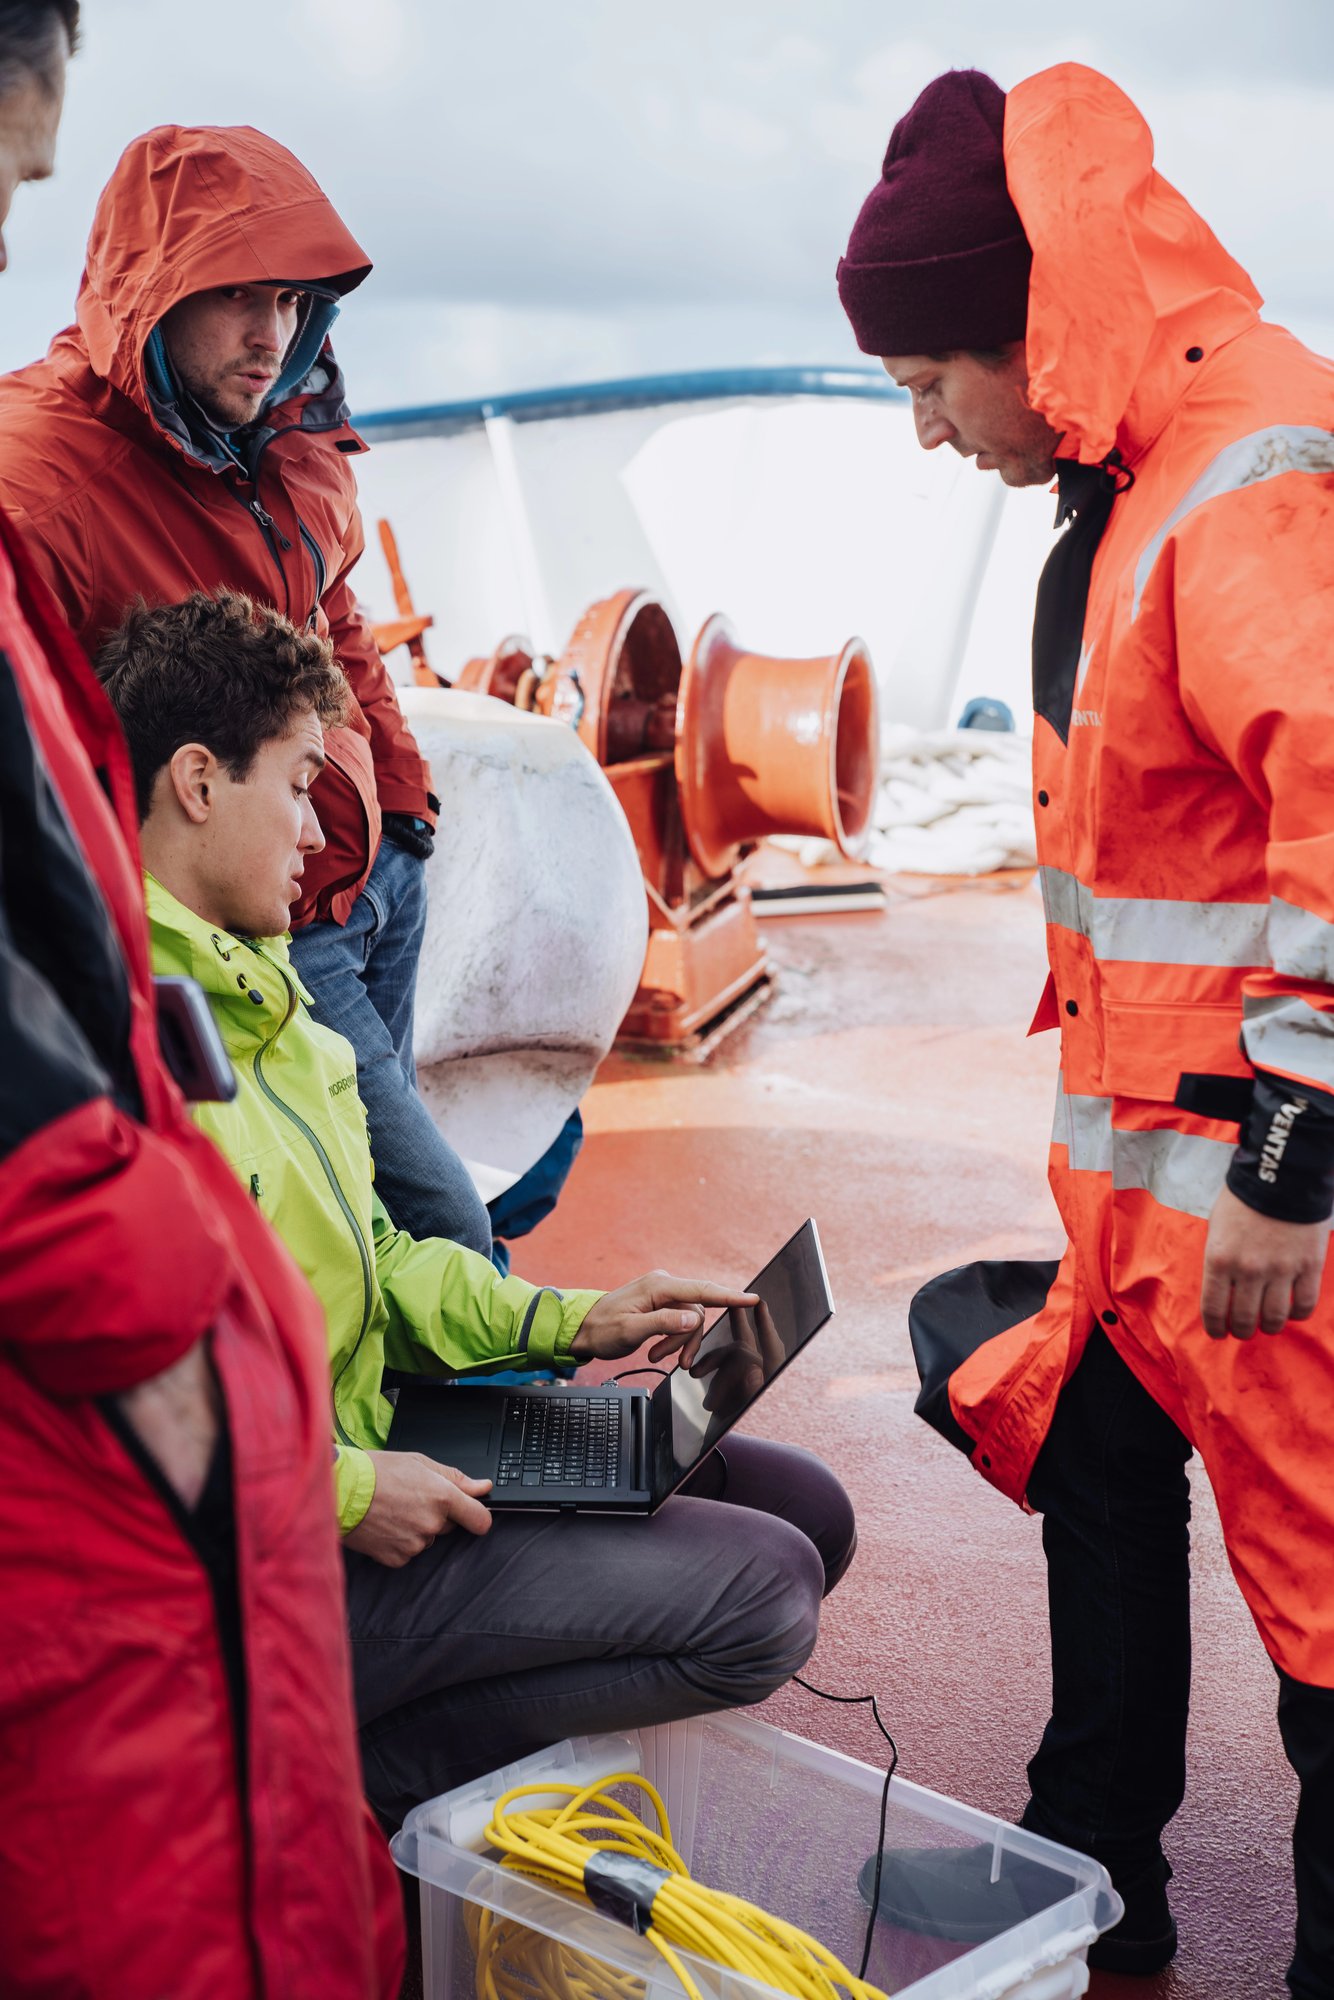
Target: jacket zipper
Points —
{"points": [[273, 536], [335, 1187], [268, 524], [317, 558]]}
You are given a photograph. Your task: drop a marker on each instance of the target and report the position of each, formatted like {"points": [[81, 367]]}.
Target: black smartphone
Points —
{"points": [[191, 1046]]}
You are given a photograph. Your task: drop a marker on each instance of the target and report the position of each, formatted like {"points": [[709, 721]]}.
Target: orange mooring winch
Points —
{"points": [[707, 757]]}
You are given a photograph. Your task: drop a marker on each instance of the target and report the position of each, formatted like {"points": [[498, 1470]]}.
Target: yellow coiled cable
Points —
{"points": [[553, 1845]]}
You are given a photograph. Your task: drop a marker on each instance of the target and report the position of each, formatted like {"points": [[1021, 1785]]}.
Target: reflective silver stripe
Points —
{"points": [[1060, 1117], [1083, 1125], [1063, 899], [1179, 1169], [1263, 455], [1147, 930], [1286, 1032], [1178, 933], [1300, 944]]}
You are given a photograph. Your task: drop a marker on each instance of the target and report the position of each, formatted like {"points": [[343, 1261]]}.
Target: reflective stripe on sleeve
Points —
{"points": [[1150, 931], [1265, 454], [1300, 943], [1284, 1032]]}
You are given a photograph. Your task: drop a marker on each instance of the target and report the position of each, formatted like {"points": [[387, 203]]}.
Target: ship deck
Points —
{"points": [[887, 1088]]}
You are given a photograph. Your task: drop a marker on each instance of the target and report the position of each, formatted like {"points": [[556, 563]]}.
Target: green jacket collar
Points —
{"points": [[250, 982]]}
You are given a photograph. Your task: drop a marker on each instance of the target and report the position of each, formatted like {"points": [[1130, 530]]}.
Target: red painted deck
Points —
{"points": [[888, 1090]]}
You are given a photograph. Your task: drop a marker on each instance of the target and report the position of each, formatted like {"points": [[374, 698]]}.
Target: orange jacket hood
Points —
{"points": [[1127, 279], [191, 207]]}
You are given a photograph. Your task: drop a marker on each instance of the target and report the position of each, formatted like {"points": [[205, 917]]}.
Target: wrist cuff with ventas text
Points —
{"points": [[1284, 1162]]}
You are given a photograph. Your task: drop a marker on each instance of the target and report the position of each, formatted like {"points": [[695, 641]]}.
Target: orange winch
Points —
{"points": [[707, 758]]}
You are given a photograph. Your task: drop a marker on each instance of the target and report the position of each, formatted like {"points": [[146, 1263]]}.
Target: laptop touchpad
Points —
{"points": [[470, 1446], [444, 1425]]}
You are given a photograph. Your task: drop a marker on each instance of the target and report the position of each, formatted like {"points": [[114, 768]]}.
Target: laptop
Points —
{"points": [[612, 1448]]}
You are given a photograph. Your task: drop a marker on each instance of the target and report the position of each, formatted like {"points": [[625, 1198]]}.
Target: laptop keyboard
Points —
{"points": [[561, 1441]]}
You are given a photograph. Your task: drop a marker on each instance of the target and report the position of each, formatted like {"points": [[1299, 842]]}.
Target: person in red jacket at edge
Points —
{"points": [[1055, 309], [182, 1797], [190, 432]]}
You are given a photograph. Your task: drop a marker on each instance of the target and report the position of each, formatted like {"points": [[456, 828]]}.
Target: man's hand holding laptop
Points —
{"points": [[415, 1501]]}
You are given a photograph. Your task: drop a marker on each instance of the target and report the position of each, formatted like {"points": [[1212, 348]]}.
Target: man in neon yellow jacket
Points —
{"points": [[472, 1649], [296, 1135]]}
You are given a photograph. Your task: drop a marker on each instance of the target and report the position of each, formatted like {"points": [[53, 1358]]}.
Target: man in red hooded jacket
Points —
{"points": [[1055, 308], [190, 432], [182, 1805]]}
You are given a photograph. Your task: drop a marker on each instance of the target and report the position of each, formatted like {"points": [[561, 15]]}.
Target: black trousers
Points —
{"points": [[1110, 1772]]}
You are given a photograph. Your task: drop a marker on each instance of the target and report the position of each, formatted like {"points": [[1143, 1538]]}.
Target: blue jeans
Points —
{"points": [[535, 1193], [363, 975]]}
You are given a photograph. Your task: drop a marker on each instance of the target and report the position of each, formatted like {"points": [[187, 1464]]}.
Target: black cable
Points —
{"points": [[853, 1700], [627, 1372]]}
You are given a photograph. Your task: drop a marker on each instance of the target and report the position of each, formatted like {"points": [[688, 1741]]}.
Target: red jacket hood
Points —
{"points": [[1126, 277], [191, 207]]}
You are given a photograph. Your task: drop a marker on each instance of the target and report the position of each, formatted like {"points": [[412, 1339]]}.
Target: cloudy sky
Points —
{"points": [[566, 192]]}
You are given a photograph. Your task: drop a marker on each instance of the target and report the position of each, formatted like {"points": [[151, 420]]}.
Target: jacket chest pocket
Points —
{"points": [[260, 1172], [1148, 1047]]}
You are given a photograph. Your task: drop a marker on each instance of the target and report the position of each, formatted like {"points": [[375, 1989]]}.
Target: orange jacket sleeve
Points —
{"points": [[1253, 603]]}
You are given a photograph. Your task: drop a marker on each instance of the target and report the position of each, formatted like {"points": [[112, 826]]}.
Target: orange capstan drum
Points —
{"points": [[774, 746], [707, 759]]}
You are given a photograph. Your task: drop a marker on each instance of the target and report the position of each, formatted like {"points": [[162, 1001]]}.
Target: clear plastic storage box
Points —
{"points": [[786, 1824]]}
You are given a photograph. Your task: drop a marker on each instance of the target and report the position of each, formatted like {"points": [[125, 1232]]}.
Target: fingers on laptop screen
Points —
{"points": [[747, 1346]]}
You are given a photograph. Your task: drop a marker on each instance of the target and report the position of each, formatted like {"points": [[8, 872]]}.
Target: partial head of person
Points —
{"points": [[214, 271], [224, 704], [935, 281], [37, 39]]}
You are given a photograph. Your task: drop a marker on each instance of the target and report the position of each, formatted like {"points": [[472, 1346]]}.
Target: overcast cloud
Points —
{"points": [[563, 192]]}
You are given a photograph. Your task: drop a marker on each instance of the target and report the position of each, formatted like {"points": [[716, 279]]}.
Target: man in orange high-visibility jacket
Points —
{"points": [[1054, 307]]}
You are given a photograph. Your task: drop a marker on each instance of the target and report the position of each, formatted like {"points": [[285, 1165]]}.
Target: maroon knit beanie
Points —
{"points": [[938, 258]]}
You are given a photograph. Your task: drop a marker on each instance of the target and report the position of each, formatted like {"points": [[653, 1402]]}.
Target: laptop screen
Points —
{"points": [[745, 1348]]}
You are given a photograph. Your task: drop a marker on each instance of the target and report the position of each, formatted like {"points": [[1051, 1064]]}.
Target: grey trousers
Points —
{"points": [[484, 1648]]}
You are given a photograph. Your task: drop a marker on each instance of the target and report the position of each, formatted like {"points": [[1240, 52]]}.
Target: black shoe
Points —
{"points": [[1145, 1940], [947, 1892]]}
